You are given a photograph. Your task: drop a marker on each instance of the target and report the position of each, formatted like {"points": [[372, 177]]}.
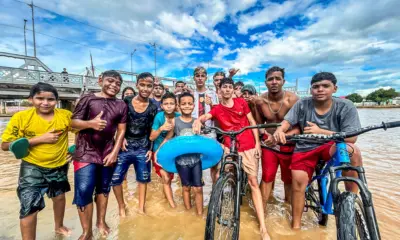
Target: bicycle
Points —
{"points": [[355, 217], [223, 216]]}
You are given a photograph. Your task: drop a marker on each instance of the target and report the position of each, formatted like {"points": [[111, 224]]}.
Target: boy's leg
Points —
{"points": [[286, 174], [299, 184], [85, 181], [143, 174], [250, 166], [197, 185], [28, 226], [103, 188], [166, 179], [186, 197], [184, 174], [59, 210], [269, 169], [120, 171]]}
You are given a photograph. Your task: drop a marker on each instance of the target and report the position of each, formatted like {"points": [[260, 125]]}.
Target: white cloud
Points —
{"points": [[263, 36]]}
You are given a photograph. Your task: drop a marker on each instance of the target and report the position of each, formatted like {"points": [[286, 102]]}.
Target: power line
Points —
{"points": [[87, 24], [62, 39]]}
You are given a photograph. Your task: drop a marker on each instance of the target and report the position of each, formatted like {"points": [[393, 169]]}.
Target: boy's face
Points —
{"points": [[180, 86], [145, 87], [158, 91], [168, 105], [217, 80], [323, 90], [128, 93], [110, 85], [274, 82], [186, 105], [200, 79], [227, 90], [246, 95], [44, 102], [238, 91]]}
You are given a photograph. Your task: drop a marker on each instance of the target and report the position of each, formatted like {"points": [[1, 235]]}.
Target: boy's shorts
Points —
{"points": [[249, 162], [191, 175], [35, 181], [307, 161], [158, 168], [137, 157], [90, 179], [270, 161]]}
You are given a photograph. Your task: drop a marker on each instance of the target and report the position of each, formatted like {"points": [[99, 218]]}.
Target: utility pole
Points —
{"points": [[26, 52], [33, 28], [132, 64], [154, 45]]}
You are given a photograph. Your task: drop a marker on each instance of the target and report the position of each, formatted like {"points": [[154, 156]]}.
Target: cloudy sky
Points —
{"points": [[358, 40]]}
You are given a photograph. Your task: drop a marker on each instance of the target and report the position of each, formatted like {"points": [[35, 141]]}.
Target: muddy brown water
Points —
{"points": [[381, 156]]}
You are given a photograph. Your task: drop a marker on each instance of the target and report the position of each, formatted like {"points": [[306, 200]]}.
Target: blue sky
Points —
{"points": [[358, 40]]}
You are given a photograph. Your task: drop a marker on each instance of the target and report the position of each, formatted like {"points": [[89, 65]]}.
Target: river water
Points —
{"points": [[381, 156]]}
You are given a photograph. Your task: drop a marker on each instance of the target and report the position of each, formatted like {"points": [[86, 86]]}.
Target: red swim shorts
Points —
{"points": [[270, 161], [307, 161], [158, 168]]}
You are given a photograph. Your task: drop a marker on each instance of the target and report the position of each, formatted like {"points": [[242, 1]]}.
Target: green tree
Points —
{"points": [[382, 95], [355, 97]]}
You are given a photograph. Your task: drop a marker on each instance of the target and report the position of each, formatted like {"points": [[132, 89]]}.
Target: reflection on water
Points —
{"points": [[381, 159]]}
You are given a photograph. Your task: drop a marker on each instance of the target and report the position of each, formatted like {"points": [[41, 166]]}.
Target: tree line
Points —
{"points": [[379, 96]]}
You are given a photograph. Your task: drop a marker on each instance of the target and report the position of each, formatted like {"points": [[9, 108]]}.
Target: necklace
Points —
{"points": [[269, 105]]}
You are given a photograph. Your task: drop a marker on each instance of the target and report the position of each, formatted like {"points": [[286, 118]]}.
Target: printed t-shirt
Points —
{"points": [[93, 146], [182, 128], [159, 120], [342, 117], [157, 103], [139, 125], [28, 124], [200, 107], [234, 119]]}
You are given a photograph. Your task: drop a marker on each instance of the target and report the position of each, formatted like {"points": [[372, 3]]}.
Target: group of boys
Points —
{"points": [[113, 134]]}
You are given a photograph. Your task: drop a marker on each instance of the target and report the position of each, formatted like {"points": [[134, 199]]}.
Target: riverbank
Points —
{"points": [[382, 106]]}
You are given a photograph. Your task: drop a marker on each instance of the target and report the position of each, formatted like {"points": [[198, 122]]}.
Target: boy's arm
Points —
{"points": [[96, 123], [199, 122], [112, 157], [255, 131]]}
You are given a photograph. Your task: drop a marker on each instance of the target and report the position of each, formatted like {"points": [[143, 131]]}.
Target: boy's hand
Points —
{"points": [[233, 71], [208, 100], [69, 157], [258, 150], [312, 128], [167, 126], [280, 136], [270, 141], [148, 155], [110, 159], [196, 127], [50, 137], [97, 123], [124, 145]]}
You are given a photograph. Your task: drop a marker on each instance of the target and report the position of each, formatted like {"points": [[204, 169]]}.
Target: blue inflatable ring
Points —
{"points": [[210, 150]]}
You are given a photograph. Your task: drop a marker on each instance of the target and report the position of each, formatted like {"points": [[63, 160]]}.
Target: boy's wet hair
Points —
{"points": [[168, 95], [144, 76], [111, 73], [159, 85], [180, 82], [226, 80], [275, 69], [239, 83], [185, 94], [220, 73], [199, 69], [126, 89], [42, 87], [324, 76]]}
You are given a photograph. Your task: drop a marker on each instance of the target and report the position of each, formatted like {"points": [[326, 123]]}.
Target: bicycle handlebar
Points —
{"points": [[340, 136], [235, 133]]}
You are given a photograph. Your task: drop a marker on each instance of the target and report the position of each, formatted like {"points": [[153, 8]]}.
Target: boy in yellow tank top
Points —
{"points": [[45, 168]]}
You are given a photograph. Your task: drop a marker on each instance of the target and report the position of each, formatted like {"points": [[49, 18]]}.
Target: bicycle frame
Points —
{"points": [[339, 162]]}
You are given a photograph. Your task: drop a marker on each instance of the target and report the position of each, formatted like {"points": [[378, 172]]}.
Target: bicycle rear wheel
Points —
{"points": [[221, 223], [350, 218]]}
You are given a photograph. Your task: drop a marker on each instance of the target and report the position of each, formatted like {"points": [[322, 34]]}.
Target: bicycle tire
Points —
{"points": [[222, 200], [245, 187], [350, 218]]}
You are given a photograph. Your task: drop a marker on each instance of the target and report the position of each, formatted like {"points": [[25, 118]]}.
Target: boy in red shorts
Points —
{"points": [[319, 114], [98, 117], [233, 114]]}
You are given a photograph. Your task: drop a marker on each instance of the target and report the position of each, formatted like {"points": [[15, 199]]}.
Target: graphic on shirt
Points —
{"points": [[202, 102], [186, 132]]}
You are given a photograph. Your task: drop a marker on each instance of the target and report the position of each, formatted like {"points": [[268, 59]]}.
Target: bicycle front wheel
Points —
{"points": [[221, 223], [350, 218]]}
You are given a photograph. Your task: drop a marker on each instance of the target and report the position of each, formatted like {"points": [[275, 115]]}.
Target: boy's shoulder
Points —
{"points": [[343, 104], [24, 113], [61, 111]]}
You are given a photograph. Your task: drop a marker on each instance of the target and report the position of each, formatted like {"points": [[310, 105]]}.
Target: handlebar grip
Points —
{"points": [[269, 125], [391, 124]]}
